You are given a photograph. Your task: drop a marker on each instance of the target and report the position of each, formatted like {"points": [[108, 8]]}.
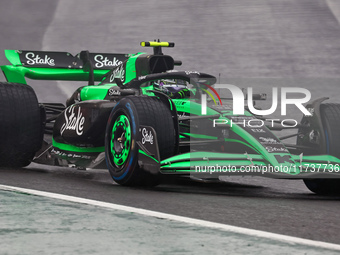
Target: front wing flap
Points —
{"points": [[211, 164]]}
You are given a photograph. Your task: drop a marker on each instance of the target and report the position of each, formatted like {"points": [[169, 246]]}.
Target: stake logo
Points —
{"points": [[118, 73], [105, 62], [33, 59], [73, 121], [147, 137]]}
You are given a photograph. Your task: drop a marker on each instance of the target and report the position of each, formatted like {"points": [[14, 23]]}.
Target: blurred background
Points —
{"points": [[260, 44], [247, 43]]}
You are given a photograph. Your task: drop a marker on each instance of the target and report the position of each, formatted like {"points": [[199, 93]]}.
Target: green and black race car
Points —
{"points": [[143, 120]]}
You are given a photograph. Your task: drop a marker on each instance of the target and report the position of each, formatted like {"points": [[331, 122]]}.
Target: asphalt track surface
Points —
{"points": [[252, 42], [60, 229]]}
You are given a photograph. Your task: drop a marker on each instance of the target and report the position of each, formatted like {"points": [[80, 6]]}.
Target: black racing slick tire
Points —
{"points": [[122, 155], [330, 116], [20, 125]]}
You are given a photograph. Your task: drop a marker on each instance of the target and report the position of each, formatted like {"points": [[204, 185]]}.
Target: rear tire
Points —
{"points": [[20, 125], [124, 123], [330, 115]]}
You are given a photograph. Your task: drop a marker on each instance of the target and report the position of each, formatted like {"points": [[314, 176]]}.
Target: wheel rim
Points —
{"points": [[120, 141]]}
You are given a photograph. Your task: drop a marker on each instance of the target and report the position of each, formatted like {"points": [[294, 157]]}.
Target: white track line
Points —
{"points": [[203, 223]]}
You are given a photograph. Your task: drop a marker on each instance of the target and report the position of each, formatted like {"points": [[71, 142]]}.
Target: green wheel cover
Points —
{"points": [[121, 140]]}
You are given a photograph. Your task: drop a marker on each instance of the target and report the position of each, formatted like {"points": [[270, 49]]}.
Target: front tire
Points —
{"points": [[20, 125], [330, 116], [122, 134]]}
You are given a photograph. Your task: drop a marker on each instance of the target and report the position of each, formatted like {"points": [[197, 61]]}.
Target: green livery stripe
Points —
{"points": [[68, 147], [199, 136], [95, 92], [317, 159], [142, 152], [130, 68], [194, 156], [170, 105], [13, 57], [39, 73]]}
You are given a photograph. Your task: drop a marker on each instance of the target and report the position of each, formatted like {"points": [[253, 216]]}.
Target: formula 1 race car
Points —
{"points": [[143, 120]]}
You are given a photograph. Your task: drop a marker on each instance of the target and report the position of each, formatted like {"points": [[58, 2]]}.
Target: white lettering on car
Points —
{"points": [[147, 137], [73, 122], [101, 61], [33, 59]]}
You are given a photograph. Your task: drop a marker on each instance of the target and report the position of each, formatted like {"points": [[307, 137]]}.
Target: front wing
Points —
{"points": [[211, 164]]}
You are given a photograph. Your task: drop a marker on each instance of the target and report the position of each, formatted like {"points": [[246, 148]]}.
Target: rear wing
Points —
{"points": [[52, 65]]}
